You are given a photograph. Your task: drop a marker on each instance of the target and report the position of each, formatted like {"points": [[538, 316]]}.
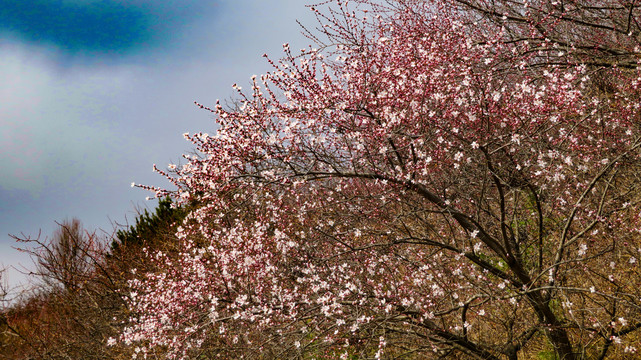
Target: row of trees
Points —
{"points": [[432, 179], [78, 300]]}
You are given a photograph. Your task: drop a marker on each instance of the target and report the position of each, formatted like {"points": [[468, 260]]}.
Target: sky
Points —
{"points": [[94, 92]]}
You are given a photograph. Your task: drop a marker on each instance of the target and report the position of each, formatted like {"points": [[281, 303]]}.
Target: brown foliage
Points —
{"points": [[76, 306]]}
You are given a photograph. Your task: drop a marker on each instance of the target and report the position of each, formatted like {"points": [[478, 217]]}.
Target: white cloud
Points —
{"points": [[73, 136], [54, 125]]}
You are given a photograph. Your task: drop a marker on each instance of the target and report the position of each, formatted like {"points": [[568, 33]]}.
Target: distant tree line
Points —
{"points": [[79, 300]]}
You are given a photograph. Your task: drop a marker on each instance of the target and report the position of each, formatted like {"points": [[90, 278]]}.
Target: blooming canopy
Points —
{"points": [[413, 184]]}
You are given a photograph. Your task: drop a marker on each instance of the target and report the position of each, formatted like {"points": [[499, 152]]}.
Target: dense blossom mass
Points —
{"points": [[413, 183]]}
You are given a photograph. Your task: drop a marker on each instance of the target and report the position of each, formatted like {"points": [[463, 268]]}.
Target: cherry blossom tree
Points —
{"points": [[413, 186], [598, 32]]}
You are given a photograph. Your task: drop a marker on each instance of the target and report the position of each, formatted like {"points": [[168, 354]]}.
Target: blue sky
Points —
{"points": [[94, 92]]}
